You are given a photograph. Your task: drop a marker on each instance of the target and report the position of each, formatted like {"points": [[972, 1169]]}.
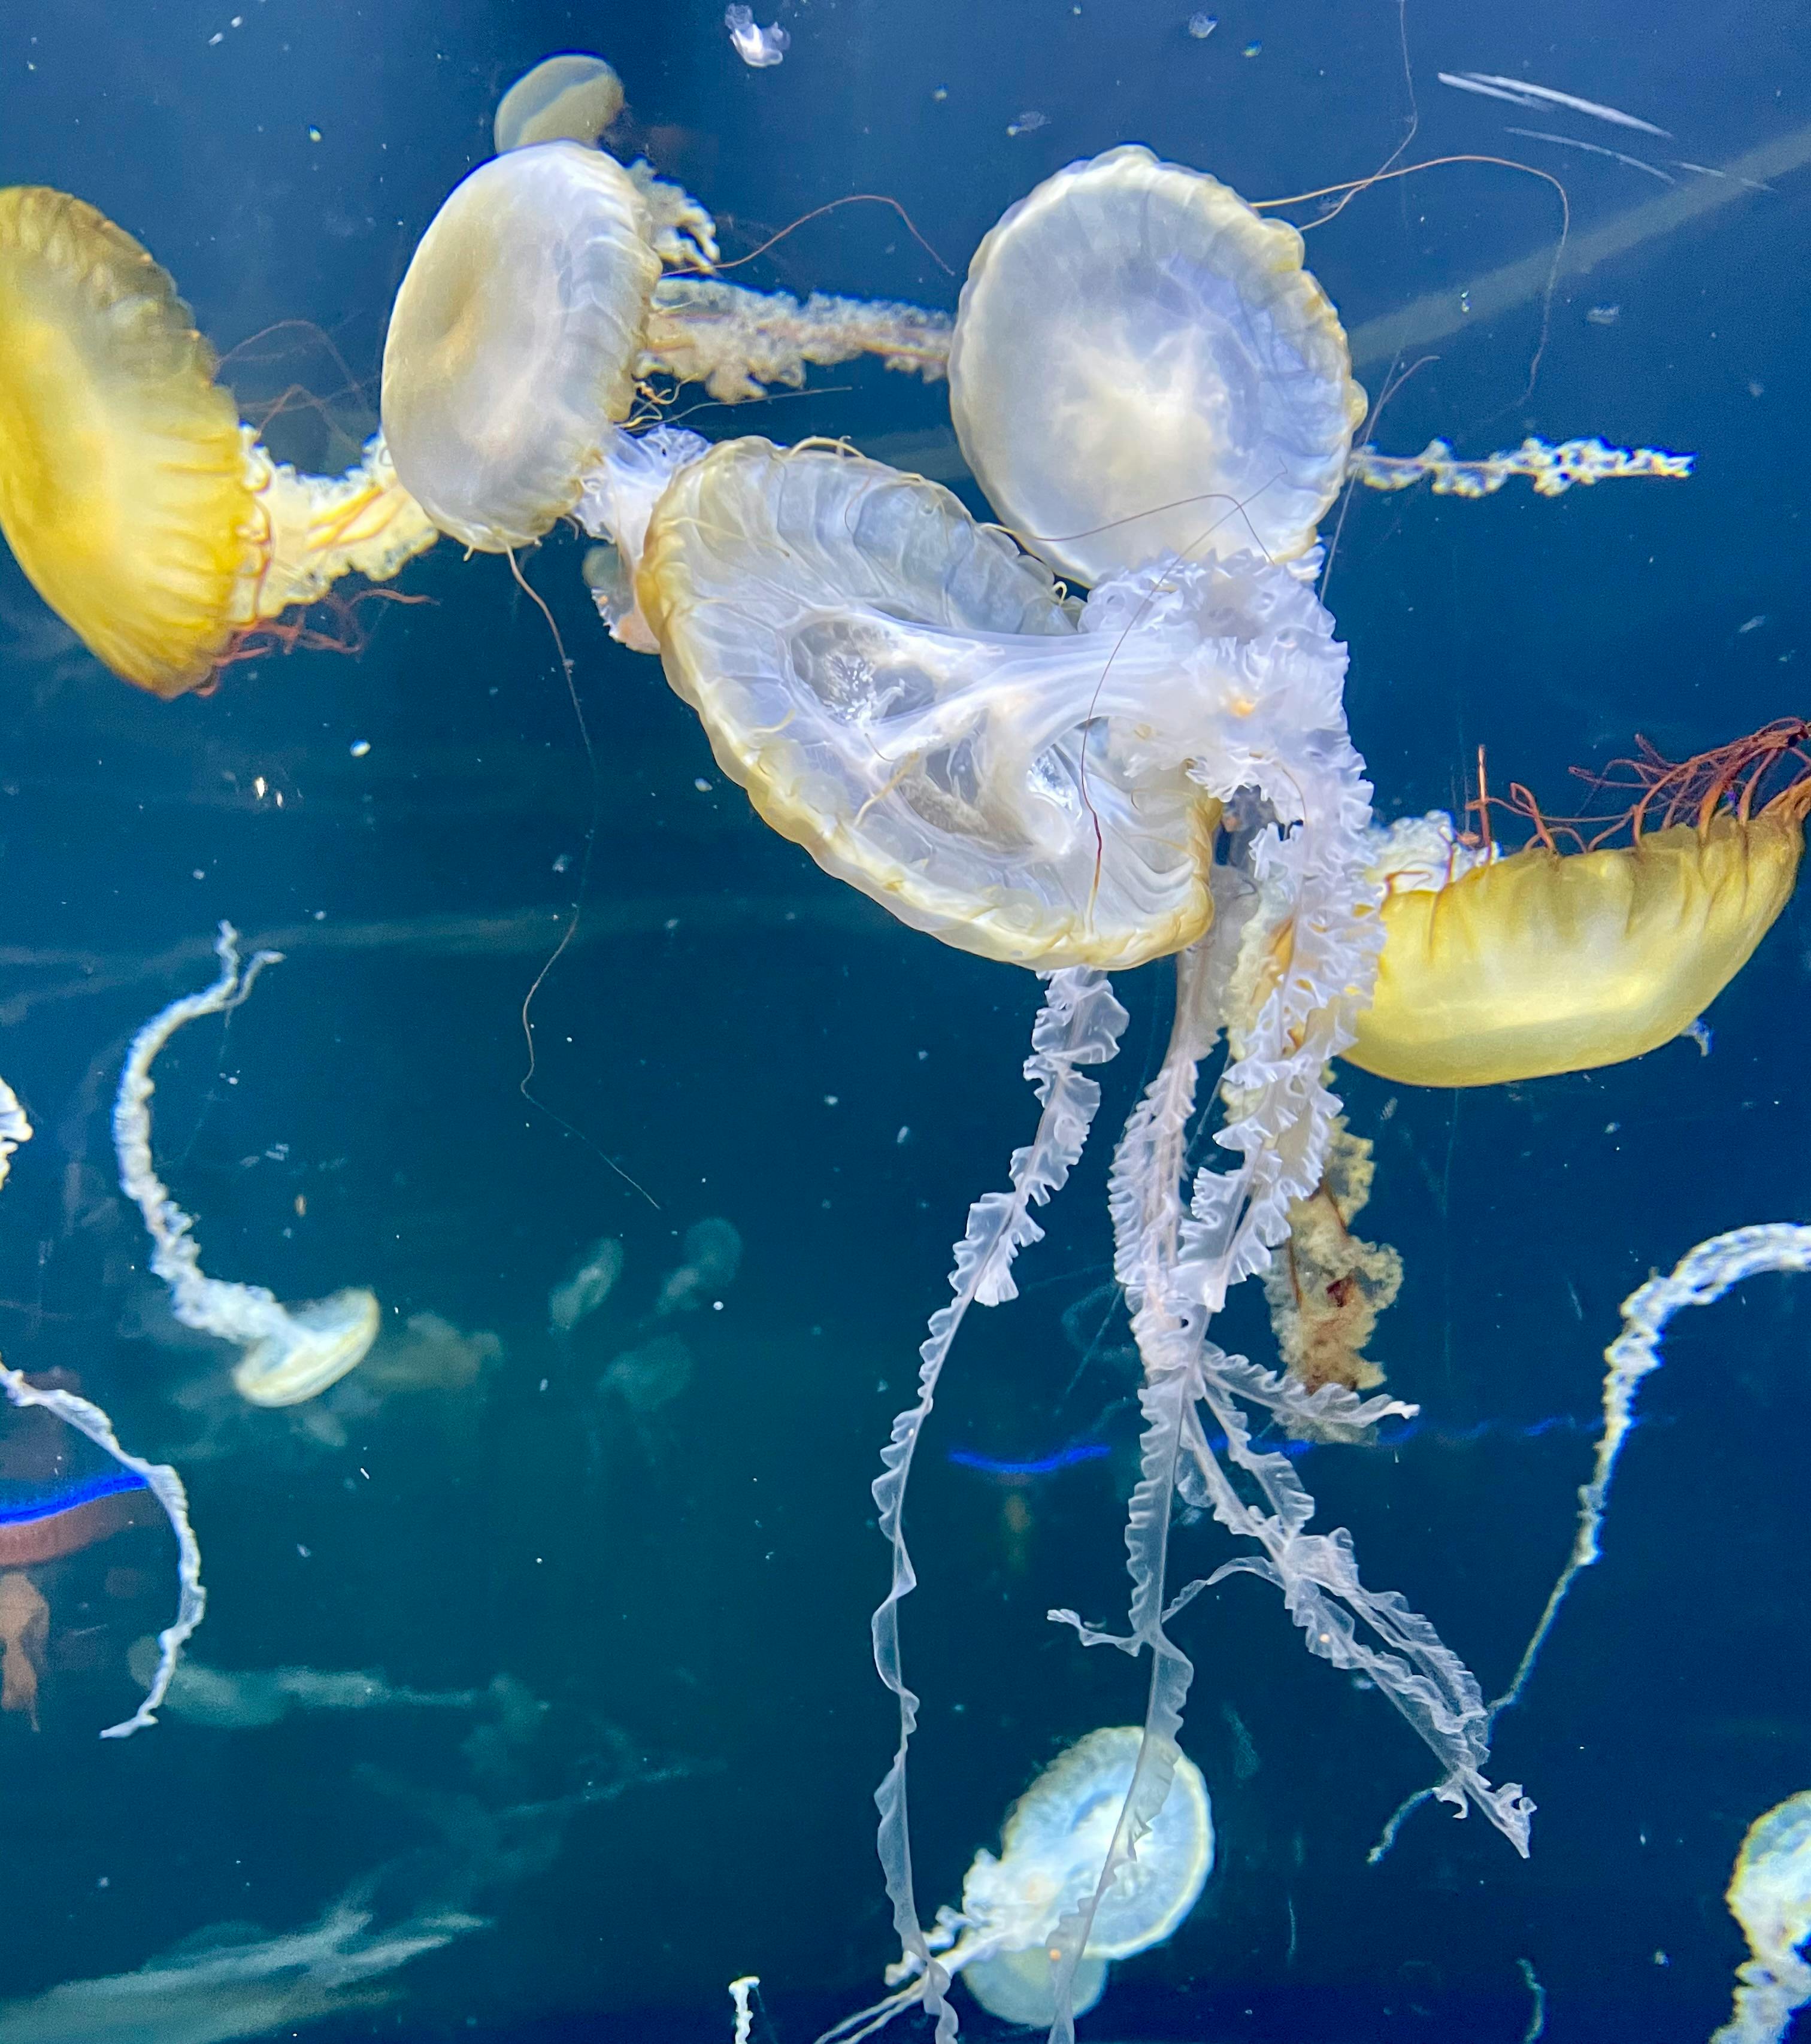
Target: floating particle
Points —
{"points": [[756, 47], [1250, 49], [1465, 301], [941, 93], [563, 861], [1755, 389], [359, 748], [1604, 315], [1028, 123], [314, 134], [701, 785], [1202, 26], [1753, 625]]}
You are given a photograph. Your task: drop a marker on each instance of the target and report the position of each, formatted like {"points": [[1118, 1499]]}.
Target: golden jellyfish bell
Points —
{"points": [[1545, 962], [514, 338], [123, 490], [1141, 367], [910, 698], [568, 98]]}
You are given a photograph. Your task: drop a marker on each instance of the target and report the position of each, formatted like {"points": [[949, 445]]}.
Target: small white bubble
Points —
{"points": [[314, 134], [701, 785], [199, 873], [830, 1099], [359, 748]]}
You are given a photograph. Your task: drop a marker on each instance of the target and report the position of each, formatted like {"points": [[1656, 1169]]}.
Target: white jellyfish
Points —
{"points": [[1008, 1939], [288, 1354]]}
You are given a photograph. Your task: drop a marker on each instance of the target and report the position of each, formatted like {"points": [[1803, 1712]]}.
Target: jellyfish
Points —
{"points": [[714, 1255], [145, 515], [1140, 365], [1162, 771], [1054, 1849], [244, 1699], [651, 1376], [536, 302], [162, 1481], [1770, 1896], [1503, 968], [586, 1286], [288, 1354]]}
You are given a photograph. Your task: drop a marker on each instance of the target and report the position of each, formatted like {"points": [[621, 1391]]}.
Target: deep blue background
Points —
{"points": [[746, 1037]]}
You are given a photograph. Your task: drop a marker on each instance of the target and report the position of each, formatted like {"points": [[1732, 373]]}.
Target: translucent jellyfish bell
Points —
{"points": [[1141, 367], [570, 98], [514, 338], [1770, 1896], [909, 696], [1053, 1847]]}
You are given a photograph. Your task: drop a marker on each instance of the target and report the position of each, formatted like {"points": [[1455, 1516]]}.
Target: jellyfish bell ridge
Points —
{"points": [[1142, 366], [513, 341], [911, 698]]}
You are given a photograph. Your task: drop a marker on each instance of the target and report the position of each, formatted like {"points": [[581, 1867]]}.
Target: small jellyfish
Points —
{"points": [[1202, 26], [586, 1286], [649, 1377], [572, 99], [1770, 1896], [288, 1354], [1005, 1940], [1141, 366], [757, 47], [143, 512], [1501, 968], [714, 1255]]}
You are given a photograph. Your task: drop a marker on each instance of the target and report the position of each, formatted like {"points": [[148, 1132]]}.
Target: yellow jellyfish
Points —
{"points": [[570, 98], [1142, 366], [1770, 1896], [1543, 961], [1005, 1940], [288, 1354], [141, 510]]}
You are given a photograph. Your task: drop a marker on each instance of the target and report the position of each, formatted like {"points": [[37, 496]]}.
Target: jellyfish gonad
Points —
{"points": [[147, 517], [1498, 969], [1017, 1926]]}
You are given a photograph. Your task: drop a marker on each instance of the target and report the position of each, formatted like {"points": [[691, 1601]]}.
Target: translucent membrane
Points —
{"points": [[289, 1354], [904, 693], [1141, 367], [513, 342], [1545, 963], [89, 1420], [570, 98]]}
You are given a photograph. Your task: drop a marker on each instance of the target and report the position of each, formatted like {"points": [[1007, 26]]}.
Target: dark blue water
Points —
{"points": [[682, 1594]]}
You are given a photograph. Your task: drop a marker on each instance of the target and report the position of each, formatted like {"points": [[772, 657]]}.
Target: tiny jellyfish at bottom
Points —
{"points": [[1009, 1939], [757, 47], [1028, 123], [1202, 26]]}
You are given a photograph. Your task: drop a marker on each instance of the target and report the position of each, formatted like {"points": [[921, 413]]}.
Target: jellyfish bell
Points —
{"points": [[514, 343], [1005, 1940], [1502, 969], [304, 1350], [572, 98], [913, 701], [1141, 367], [138, 506]]}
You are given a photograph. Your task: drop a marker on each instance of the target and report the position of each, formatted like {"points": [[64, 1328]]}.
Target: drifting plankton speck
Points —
{"points": [[1028, 123], [1202, 26]]}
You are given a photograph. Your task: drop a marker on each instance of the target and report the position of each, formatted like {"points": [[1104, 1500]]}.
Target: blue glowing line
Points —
{"points": [[110, 1483], [1081, 1451]]}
